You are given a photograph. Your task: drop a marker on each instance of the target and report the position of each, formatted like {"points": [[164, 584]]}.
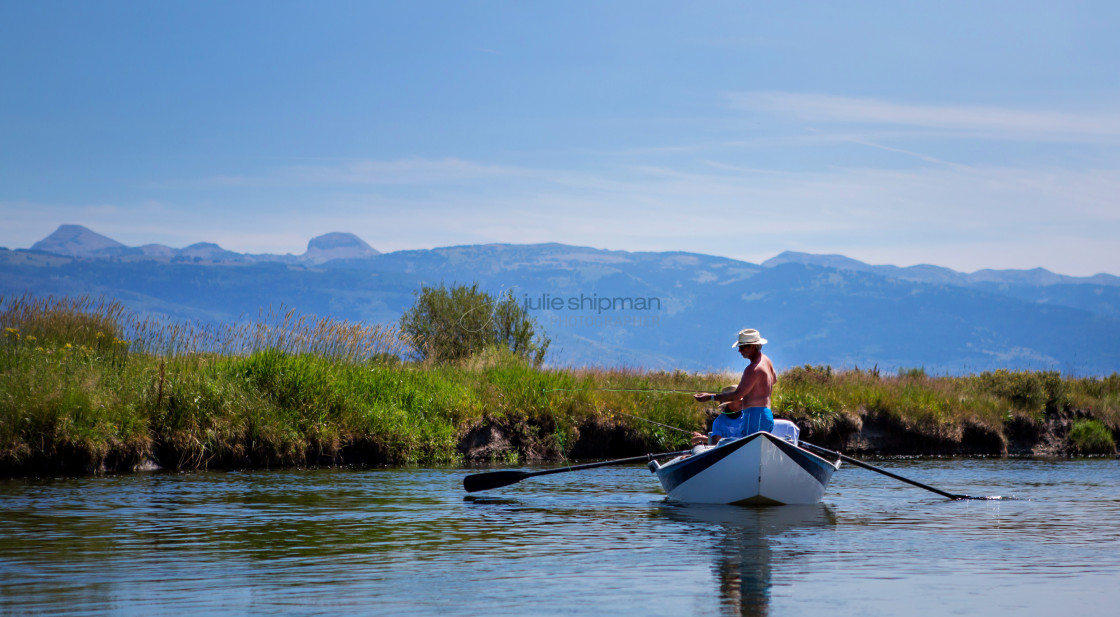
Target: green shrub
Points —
{"points": [[452, 324], [1091, 437]]}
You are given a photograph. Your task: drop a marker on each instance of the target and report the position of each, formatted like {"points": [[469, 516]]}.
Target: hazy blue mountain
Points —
{"points": [[926, 273], [212, 292], [209, 252], [656, 310], [1099, 299], [512, 266], [1098, 294], [158, 251], [855, 318], [79, 241], [75, 240], [337, 245]]}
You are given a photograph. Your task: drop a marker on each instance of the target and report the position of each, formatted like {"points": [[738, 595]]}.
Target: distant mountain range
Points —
{"points": [[78, 241], [943, 276], [653, 310]]}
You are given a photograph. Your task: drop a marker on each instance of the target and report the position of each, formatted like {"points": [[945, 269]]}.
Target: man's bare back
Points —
{"points": [[757, 383]]}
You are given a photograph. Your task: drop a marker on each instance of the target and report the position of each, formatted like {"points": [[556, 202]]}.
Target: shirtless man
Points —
{"points": [[748, 406]]}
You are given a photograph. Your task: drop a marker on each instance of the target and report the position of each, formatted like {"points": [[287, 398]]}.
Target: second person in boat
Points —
{"points": [[747, 408]]}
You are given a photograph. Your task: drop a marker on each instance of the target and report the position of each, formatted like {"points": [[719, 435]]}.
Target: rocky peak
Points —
{"points": [[337, 245]]}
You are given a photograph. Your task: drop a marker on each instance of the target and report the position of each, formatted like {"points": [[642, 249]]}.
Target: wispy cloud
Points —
{"points": [[395, 172], [985, 121]]}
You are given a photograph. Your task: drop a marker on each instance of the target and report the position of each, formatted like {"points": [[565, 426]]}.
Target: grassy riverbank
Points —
{"points": [[86, 387]]}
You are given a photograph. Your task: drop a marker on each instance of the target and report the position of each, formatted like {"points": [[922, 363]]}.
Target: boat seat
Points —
{"points": [[786, 430]]}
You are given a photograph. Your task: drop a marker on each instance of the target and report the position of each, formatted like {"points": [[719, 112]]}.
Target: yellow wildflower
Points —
{"points": [[68, 346]]}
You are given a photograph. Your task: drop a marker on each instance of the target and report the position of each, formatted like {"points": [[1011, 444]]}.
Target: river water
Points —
{"points": [[597, 542]]}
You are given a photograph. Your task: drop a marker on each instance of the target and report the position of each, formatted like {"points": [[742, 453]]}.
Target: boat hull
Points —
{"points": [[759, 469]]}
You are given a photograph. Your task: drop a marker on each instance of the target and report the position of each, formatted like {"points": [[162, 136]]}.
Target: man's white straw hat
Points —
{"points": [[749, 336]]}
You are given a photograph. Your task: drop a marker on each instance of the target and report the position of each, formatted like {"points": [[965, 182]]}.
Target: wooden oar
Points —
{"points": [[859, 463], [496, 479]]}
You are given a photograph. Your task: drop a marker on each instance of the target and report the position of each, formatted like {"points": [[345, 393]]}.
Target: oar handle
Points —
{"points": [[859, 463], [645, 458], [496, 479]]}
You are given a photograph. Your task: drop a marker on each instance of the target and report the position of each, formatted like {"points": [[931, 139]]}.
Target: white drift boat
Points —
{"points": [[759, 469]]}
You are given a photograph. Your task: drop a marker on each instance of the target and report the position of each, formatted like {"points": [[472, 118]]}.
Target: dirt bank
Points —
{"points": [[520, 440], [866, 434]]}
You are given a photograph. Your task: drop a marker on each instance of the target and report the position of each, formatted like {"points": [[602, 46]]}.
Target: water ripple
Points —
{"points": [[409, 542]]}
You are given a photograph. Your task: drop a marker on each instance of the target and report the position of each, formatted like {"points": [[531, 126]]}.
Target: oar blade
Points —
{"points": [[492, 479]]}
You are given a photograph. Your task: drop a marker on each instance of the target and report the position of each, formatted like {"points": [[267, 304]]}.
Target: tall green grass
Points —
{"points": [[86, 385]]}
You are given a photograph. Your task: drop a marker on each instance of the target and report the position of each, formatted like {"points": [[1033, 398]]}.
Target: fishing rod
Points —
{"points": [[652, 422], [546, 390]]}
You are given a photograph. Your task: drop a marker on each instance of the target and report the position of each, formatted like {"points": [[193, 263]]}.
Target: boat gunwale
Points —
{"points": [[742, 441]]}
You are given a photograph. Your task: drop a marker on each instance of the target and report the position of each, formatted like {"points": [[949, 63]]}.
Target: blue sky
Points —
{"points": [[962, 134]]}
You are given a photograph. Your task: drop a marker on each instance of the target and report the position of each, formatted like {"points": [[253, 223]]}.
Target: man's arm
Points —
{"points": [[746, 384]]}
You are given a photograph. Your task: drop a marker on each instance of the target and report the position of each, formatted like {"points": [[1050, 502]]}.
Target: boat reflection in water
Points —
{"points": [[743, 541]]}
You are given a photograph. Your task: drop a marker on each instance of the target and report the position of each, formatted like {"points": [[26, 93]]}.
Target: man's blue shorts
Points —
{"points": [[752, 420]]}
